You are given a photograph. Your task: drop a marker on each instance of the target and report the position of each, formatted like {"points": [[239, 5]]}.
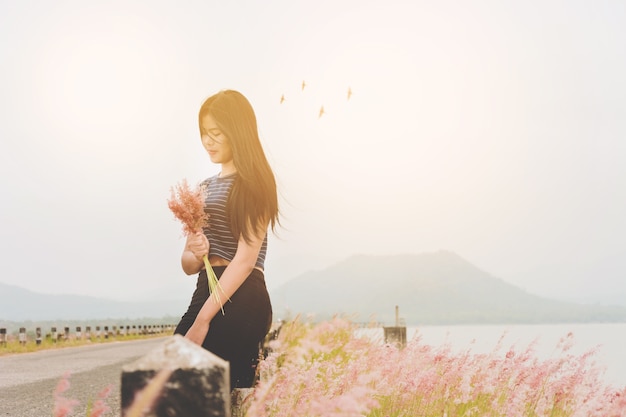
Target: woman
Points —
{"points": [[242, 204]]}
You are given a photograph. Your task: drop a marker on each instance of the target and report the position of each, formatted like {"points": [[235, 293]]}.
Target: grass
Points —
{"points": [[329, 369], [14, 346]]}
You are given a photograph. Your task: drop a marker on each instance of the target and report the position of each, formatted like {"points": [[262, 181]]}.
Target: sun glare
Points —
{"points": [[95, 81]]}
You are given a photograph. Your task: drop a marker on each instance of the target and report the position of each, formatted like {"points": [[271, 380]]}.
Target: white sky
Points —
{"points": [[493, 129]]}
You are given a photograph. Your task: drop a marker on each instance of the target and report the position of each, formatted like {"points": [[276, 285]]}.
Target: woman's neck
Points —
{"points": [[228, 169]]}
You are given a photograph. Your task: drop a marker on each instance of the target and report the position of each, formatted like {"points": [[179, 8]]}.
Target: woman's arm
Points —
{"points": [[233, 276], [196, 246]]}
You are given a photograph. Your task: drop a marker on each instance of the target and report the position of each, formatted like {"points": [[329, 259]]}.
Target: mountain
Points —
{"points": [[18, 304], [429, 288]]}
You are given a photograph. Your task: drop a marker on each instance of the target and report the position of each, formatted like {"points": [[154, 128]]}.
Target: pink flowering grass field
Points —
{"points": [[327, 369], [331, 369]]}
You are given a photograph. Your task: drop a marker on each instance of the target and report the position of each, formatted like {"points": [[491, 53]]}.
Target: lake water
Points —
{"points": [[609, 338]]}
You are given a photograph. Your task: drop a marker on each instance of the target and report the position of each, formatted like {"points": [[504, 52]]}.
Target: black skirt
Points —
{"points": [[238, 334]]}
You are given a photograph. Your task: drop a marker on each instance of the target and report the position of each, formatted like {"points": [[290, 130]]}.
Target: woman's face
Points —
{"points": [[214, 141]]}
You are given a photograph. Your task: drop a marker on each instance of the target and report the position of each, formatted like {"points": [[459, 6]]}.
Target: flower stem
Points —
{"points": [[214, 284]]}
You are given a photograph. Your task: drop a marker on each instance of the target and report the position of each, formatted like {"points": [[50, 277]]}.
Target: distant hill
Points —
{"points": [[19, 304], [430, 288]]}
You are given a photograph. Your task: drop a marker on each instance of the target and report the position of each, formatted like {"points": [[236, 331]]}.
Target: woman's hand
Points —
{"points": [[198, 245], [197, 332]]}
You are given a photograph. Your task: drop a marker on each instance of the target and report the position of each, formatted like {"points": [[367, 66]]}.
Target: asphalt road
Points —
{"points": [[28, 380]]}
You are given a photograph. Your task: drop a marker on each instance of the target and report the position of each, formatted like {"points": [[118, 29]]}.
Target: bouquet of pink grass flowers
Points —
{"points": [[188, 206]]}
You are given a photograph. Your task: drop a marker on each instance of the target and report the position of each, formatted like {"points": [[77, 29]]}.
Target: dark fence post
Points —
{"points": [[190, 381], [3, 336]]}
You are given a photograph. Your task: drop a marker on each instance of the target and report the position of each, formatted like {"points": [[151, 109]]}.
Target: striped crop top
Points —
{"points": [[221, 239]]}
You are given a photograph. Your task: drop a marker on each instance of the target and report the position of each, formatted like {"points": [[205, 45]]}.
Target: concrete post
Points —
{"points": [[3, 336], [396, 334], [397, 316], [196, 382], [38, 335]]}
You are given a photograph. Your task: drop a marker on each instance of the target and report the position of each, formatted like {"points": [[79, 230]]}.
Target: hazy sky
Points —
{"points": [[493, 129]]}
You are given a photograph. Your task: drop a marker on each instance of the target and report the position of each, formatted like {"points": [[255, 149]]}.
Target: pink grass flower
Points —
{"points": [[99, 407], [187, 204], [63, 406], [146, 399]]}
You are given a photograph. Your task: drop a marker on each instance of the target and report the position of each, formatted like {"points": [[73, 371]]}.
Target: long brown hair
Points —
{"points": [[253, 200]]}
